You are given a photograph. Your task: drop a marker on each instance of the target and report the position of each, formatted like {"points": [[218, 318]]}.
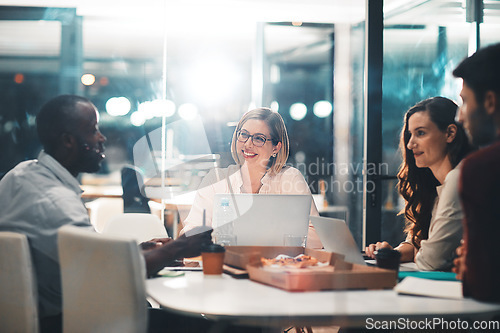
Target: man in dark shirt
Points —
{"points": [[477, 264]]}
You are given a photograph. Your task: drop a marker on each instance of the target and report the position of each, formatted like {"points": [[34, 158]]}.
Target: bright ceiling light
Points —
{"points": [[137, 118], [118, 106], [147, 110], [274, 74], [322, 109], [298, 111], [213, 80], [162, 108], [275, 106], [188, 111], [88, 79]]}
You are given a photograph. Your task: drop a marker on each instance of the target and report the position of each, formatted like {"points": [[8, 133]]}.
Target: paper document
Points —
{"points": [[408, 267], [432, 288]]}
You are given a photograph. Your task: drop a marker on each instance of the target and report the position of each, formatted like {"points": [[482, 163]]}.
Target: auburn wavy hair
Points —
{"points": [[418, 185]]}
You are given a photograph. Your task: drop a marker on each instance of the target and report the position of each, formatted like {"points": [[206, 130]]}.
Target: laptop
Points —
{"points": [[336, 237], [265, 219]]}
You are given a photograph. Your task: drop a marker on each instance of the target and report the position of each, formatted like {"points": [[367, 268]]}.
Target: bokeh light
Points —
{"points": [[19, 78], [137, 118], [322, 109], [118, 106], [146, 109], [188, 111], [162, 108], [104, 81], [275, 106], [88, 79], [213, 79], [298, 111]]}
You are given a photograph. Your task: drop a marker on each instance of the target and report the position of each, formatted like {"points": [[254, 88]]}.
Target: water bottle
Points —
{"points": [[223, 223]]}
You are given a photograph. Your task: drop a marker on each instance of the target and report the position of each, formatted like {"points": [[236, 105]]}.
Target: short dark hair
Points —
{"points": [[481, 71], [56, 117]]}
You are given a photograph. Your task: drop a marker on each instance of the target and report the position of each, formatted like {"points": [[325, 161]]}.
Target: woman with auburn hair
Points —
{"points": [[432, 145], [260, 149]]}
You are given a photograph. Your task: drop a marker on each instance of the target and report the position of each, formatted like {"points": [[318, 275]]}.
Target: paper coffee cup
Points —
{"points": [[212, 256]]}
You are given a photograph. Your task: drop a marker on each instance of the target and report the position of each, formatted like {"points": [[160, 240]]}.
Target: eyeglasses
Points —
{"points": [[257, 139]]}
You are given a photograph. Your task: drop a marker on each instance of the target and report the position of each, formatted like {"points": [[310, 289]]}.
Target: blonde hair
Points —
{"points": [[278, 134]]}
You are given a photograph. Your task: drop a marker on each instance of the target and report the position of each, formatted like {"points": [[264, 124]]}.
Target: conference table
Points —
{"points": [[244, 302], [101, 191]]}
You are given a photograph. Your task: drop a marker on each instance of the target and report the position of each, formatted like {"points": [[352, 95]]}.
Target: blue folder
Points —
{"points": [[431, 275]]}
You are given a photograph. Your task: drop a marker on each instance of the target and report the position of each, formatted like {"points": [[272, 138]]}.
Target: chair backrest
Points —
{"points": [[133, 199], [18, 293], [102, 283], [141, 227], [103, 209]]}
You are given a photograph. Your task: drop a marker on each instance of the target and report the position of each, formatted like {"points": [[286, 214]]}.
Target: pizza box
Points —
{"points": [[240, 256], [333, 274]]}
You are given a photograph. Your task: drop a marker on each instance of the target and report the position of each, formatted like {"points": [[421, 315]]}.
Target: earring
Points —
{"points": [[274, 155]]}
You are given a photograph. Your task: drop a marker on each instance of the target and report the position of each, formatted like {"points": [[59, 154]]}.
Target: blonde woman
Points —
{"points": [[260, 150]]}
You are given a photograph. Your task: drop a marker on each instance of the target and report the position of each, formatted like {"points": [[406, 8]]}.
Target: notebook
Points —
{"points": [[336, 237], [265, 219], [432, 288]]}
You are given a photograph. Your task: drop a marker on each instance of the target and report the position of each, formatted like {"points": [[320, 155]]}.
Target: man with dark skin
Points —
{"points": [[37, 197], [480, 178]]}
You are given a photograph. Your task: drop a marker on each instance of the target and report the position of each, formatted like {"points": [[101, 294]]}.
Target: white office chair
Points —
{"points": [[102, 210], [141, 227], [102, 283], [18, 293]]}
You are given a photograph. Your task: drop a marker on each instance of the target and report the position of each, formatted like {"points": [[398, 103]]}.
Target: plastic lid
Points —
{"points": [[386, 253], [212, 247]]}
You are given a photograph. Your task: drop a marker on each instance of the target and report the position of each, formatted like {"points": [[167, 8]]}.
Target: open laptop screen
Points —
{"points": [[265, 219], [336, 237]]}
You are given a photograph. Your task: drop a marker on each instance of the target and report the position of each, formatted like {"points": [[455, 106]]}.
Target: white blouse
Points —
{"points": [[445, 230]]}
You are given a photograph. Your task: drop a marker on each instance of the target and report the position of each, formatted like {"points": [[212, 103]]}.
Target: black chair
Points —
{"points": [[133, 199]]}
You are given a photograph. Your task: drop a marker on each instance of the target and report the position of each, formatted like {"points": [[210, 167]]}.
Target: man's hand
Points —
{"points": [[190, 243], [459, 262], [154, 243], [186, 246]]}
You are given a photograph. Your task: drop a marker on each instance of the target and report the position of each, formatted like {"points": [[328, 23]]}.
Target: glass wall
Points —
{"points": [[298, 82], [422, 46], [194, 67], [172, 78], [317, 85], [29, 72]]}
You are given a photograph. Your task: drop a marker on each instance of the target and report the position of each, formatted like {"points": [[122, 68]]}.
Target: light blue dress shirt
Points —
{"points": [[36, 198]]}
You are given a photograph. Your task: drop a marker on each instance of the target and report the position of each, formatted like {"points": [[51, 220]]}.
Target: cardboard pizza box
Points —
{"points": [[240, 256], [333, 274]]}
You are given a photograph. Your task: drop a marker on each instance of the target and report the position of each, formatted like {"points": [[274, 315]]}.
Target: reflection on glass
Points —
{"points": [[167, 60], [422, 46]]}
